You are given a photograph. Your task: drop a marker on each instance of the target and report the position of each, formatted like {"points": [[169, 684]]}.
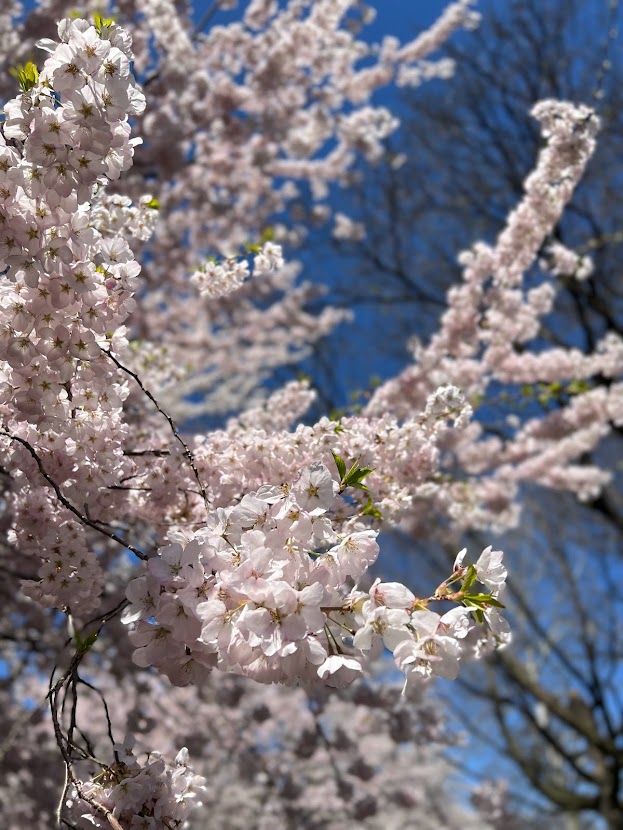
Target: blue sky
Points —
{"points": [[403, 17]]}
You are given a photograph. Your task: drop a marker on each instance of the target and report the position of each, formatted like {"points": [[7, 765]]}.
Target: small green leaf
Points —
{"points": [[476, 399], [82, 646], [470, 578], [481, 601], [577, 387], [371, 509], [90, 640], [339, 463], [153, 203], [102, 23], [355, 476], [27, 75]]}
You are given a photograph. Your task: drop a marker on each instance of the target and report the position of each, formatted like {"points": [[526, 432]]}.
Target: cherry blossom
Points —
{"points": [[142, 243]]}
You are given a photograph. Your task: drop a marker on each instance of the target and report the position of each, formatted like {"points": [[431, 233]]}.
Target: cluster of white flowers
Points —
{"points": [[269, 590], [563, 262], [365, 130], [113, 214], [346, 228], [144, 796], [70, 278], [218, 279], [268, 258], [425, 71], [448, 402]]}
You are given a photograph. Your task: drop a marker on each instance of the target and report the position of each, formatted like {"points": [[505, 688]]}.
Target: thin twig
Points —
{"points": [[206, 18], [106, 711], [605, 65], [66, 503], [62, 745], [61, 801], [187, 453], [108, 615], [134, 453]]}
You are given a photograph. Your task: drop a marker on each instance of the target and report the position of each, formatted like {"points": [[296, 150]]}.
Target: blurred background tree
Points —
{"points": [[551, 707]]}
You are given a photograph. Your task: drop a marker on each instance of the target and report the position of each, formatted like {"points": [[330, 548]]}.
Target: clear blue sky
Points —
{"points": [[404, 17]]}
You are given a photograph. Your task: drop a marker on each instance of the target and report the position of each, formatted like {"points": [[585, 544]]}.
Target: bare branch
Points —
{"points": [[66, 503]]}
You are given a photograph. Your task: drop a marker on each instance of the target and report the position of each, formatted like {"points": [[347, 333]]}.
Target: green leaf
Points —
{"points": [[371, 509], [469, 578], [153, 203], [102, 23], [355, 476], [481, 601], [495, 603], [339, 463], [90, 640], [27, 75], [479, 616], [82, 646]]}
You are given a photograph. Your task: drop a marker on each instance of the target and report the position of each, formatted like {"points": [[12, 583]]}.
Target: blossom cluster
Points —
{"points": [[144, 796], [220, 279], [70, 278], [486, 334], [269, 590], [244, 120], [269, 755], [259, 447]]}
